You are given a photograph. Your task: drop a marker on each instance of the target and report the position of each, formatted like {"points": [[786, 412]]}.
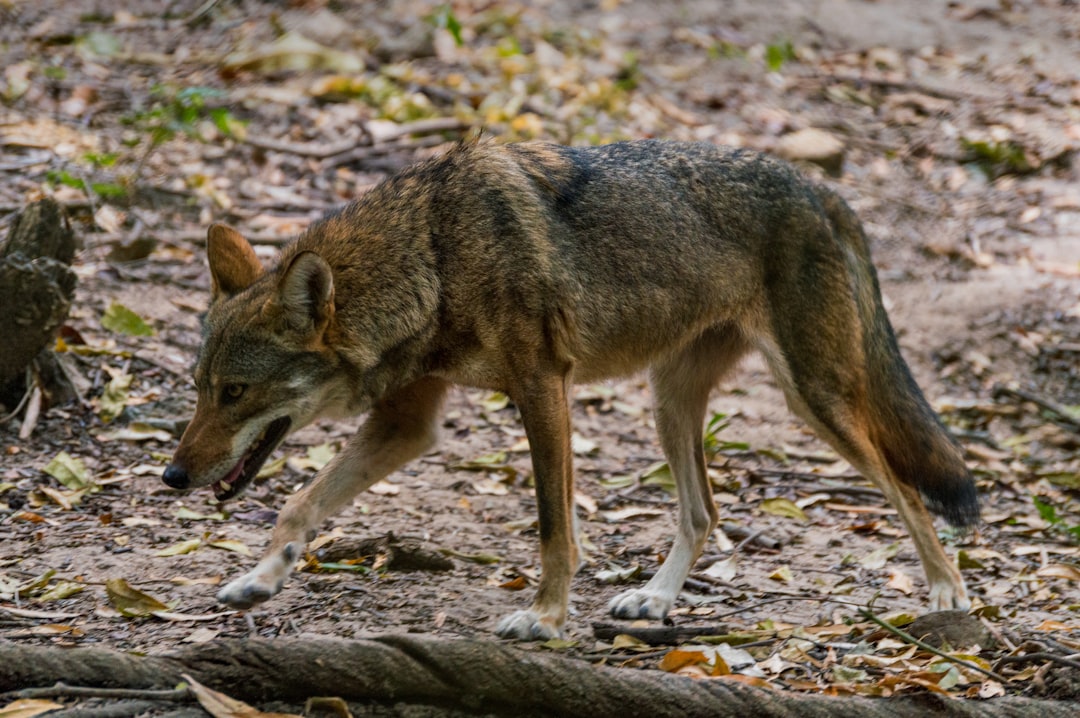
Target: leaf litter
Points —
{"points": [[966, 196]]}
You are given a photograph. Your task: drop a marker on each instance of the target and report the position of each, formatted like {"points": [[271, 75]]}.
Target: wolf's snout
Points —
{"points": [[176, 477]]}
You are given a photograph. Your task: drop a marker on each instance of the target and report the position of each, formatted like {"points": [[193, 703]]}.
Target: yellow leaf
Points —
{"points": [[135, 431], [27, 708], [271, 468], [130, 601], [781, 574], [231, 545], [179, 548], [1049, 625], [783, 507]]}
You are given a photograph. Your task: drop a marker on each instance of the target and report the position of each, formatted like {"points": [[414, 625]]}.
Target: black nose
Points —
{"points": [[175, 477]]}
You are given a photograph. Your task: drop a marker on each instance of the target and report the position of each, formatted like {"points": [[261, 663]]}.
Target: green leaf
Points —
{"points": [[777, 54], [69, 471], [1047, 512], [659, 474], [495, 402], [108, 189], [120, 319], [114, 398], [443, 18], [102, 44]]}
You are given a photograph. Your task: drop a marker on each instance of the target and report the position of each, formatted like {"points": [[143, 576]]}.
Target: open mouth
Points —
{"points": [[248, 467]]}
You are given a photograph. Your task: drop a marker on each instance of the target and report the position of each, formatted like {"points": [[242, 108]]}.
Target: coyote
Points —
{"points": [[526, 268]]}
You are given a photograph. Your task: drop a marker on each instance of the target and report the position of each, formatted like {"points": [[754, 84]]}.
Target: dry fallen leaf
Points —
{"points": [[131, 601], [900, 581], [783, 507], [220, 705], [28, 708], [231, 545], [179, 548]]}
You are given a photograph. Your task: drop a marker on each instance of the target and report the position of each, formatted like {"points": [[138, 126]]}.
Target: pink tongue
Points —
{"points": [[235, 473]]}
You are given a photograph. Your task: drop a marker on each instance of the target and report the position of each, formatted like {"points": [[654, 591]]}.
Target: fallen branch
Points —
{"points": [[657, 635]]}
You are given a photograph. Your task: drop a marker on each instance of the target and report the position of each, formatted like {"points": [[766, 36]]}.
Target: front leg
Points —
{"points": [[400, 427], [544, 411]]}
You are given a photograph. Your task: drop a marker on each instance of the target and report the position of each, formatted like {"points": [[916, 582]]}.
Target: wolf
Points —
{"points": [[525, 268]]}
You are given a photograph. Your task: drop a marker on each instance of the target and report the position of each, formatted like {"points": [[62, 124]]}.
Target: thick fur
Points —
{"points": [[527, 268]]}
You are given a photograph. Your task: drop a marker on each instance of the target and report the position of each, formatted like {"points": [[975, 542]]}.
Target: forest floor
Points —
{"points": [[959, 125]]}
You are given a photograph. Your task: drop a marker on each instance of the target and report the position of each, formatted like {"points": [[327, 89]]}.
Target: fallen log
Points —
{"points": [[461, 677]]}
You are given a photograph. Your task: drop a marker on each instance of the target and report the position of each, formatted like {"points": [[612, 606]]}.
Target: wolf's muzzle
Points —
{"points": [[176, 477]]}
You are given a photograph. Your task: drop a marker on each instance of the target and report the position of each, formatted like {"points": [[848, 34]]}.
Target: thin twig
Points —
{"points": [[927, 647], [22, 402], [63, 690], [1038, 656], [1061, 413], [766, 602]]}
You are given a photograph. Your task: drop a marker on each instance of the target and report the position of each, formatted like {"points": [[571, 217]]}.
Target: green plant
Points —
{"points": [[175, 112], [1049, 514], [102, 189], [443, 18], [997, 158], [713, 445], [777, 54]]}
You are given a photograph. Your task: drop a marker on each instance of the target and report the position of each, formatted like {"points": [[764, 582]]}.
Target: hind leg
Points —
{"points": [[682, 384], [833, 402]]}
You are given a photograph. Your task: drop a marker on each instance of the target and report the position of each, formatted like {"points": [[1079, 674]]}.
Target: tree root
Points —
{"points": [[438, 676]]}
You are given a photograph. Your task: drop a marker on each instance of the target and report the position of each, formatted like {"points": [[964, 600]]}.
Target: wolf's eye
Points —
{"points": [[232, 392]]}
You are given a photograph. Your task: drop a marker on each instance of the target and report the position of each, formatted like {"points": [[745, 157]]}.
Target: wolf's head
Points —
{"points": [[265, 367]]}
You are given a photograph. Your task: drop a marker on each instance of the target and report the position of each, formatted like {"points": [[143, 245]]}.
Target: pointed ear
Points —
{"points": [[306, 292], [233, 264]]}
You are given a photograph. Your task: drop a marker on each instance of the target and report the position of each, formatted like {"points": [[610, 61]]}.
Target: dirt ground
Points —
{"points": [[960, 125]]}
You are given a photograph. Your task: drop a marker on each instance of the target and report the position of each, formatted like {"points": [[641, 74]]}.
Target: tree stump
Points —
{"points": [[36, 289]]}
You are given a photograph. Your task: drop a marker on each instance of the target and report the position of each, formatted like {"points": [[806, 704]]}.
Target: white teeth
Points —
{"points": [[224, 485]]}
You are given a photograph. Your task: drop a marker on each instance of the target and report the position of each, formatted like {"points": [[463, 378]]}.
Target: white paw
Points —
{"points": [[250, 589], [640, 603], [528, 626], [945, 596]]}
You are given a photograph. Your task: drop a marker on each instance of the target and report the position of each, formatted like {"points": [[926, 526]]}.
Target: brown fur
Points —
{"points": [[527, 268]]}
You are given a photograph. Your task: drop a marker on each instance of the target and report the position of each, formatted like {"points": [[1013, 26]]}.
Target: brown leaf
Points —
{"points": [[220, 705]]}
